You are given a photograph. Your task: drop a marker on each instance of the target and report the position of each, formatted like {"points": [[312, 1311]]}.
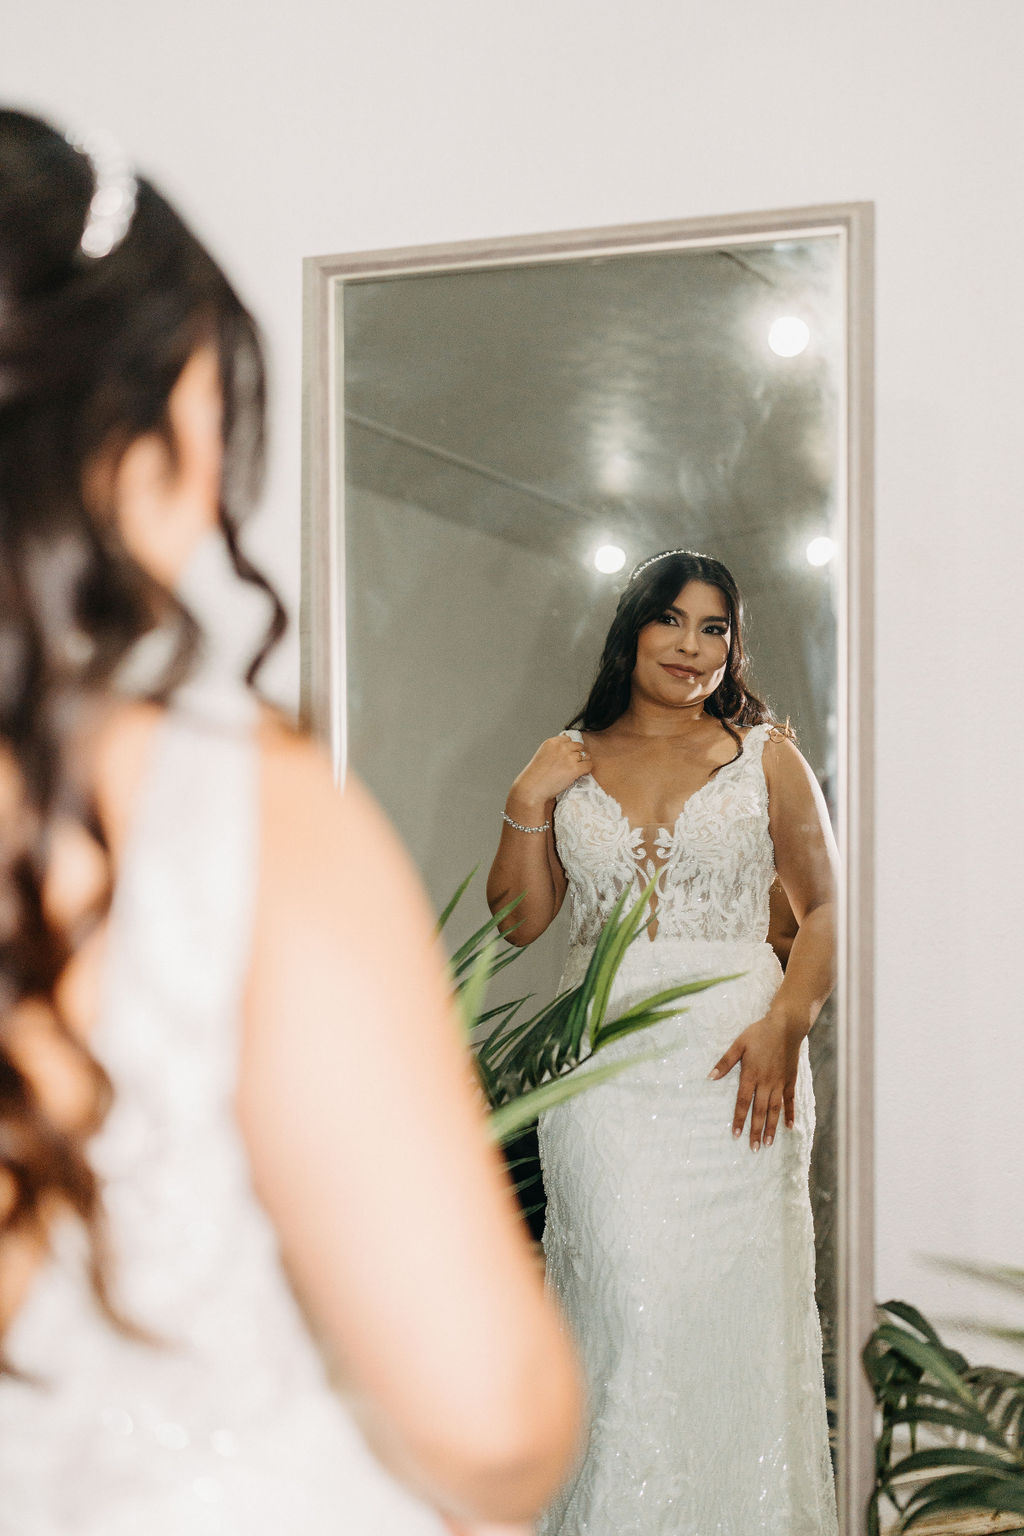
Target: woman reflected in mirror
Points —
{"points": [[679, 1235]]}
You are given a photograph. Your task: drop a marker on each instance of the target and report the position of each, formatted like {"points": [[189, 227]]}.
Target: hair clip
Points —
{"points": [[112, 205]]}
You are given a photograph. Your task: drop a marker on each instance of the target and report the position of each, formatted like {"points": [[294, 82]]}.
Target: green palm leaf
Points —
{"points": [[908, 1314], [460, 891], [1006, 1276], [644, 1014], [472, 988], [933, 1361], [948, 1495], [993, 1462], [509, 1119], [922, 1385], [616, 935], [526, 1065], [467, 954], [933, 1414]]}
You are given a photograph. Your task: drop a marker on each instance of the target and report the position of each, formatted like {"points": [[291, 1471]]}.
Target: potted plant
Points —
{"points": [[951, 1436]]}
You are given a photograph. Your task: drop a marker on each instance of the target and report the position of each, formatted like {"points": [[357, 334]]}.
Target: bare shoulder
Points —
{"points": [[781, 751], [785, 766], [776, 734], [300, 794], [292, 765], [324, 846], [336, 899]]}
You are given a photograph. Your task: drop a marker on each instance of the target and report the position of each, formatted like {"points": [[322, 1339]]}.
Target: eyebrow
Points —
{"points": [[723, 618]]}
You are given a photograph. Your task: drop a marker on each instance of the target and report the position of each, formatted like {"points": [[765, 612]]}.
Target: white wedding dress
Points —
{"points": [[227, 1425], [683, 1260]]}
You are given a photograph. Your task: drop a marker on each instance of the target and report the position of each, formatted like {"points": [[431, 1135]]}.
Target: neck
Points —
{"points": [[649, 717]]}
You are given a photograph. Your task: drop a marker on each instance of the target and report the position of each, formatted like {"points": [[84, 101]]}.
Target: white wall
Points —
{"points": [[320, 125]]}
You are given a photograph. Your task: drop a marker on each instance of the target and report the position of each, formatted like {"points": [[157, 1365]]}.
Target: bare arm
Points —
{"points": [[782, 925], [806, 861], [368, 1151], [527, 863]]}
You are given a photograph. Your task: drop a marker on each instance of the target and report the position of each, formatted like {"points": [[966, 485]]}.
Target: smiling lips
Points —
{"points": [[681, 671]]}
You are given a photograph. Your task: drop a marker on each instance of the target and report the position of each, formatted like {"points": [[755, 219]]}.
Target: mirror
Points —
{"points": [[495, 435]]}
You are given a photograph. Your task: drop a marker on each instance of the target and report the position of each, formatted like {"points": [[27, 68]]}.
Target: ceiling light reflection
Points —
{"points": [[820, 551], [788, 336], [609, 559]]}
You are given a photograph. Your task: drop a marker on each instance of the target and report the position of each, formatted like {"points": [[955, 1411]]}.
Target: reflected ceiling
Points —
{"points": [[632, 398]]}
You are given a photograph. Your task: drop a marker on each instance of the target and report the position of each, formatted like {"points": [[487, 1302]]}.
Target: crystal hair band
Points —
{"points": [[114, 191], [664, 555]]}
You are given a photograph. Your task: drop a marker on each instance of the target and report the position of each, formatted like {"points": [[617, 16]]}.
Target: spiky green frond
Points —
{"points": [[527, 1065], [920, 1384]]}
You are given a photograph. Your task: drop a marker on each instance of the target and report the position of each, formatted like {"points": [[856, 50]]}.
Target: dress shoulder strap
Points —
{"points": [[751, 759], [183, 902], [753, 742]]}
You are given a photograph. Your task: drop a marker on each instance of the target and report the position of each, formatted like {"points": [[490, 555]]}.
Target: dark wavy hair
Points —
{"points": [[652, 588], [90, 350]]}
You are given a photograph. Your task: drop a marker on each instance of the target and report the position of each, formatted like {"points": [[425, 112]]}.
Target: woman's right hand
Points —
{"points": [[558, 762], [526, 868]]}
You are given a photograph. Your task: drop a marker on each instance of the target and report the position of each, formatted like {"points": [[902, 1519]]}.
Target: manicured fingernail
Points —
{"points": [[737, 1133], [714, 1073], [757, 1146], [768, 1140]]}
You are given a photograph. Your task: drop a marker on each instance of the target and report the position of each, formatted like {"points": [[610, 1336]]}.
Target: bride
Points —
{"points": [[251, 1226], [683, 1253]]}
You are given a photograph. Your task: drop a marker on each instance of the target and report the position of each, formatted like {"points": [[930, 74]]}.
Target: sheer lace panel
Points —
{"points": [[714, 867]]}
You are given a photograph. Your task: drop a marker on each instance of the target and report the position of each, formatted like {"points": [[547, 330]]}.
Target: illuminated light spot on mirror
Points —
{"points": [[788, 336], [617, 472], [821, 550], [609, 559], [692, 480]]}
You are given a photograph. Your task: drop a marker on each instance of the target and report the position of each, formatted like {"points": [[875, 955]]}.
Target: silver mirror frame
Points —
{"points": [[322, 636]]}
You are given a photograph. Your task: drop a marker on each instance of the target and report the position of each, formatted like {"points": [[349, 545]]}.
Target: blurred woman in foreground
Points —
{"points": [[228, 1065]]}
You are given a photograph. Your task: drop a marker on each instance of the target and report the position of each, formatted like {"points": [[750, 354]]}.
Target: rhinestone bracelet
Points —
{"points": [[519, 826]]}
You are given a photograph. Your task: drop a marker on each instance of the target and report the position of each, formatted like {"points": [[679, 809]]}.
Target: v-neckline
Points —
{"points": [[649, 845], [641, 830], [646, 852]]}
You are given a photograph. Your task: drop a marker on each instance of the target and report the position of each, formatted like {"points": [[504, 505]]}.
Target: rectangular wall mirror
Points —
{"points": [[495, 433]]}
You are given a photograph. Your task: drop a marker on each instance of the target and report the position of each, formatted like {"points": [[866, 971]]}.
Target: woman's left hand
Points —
{"points": [[769, 1053]]}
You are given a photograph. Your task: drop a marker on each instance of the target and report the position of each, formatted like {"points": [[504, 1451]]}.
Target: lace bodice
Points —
{"points": [[227, 1424], [715, 866]]}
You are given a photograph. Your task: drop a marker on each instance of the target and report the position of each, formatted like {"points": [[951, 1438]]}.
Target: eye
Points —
{"points": [[716, 629], [667, 618]]}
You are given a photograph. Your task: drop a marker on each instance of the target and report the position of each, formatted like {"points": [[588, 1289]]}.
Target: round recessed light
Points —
{"points": [[820, 551], [609, 559], [788, 336]]}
